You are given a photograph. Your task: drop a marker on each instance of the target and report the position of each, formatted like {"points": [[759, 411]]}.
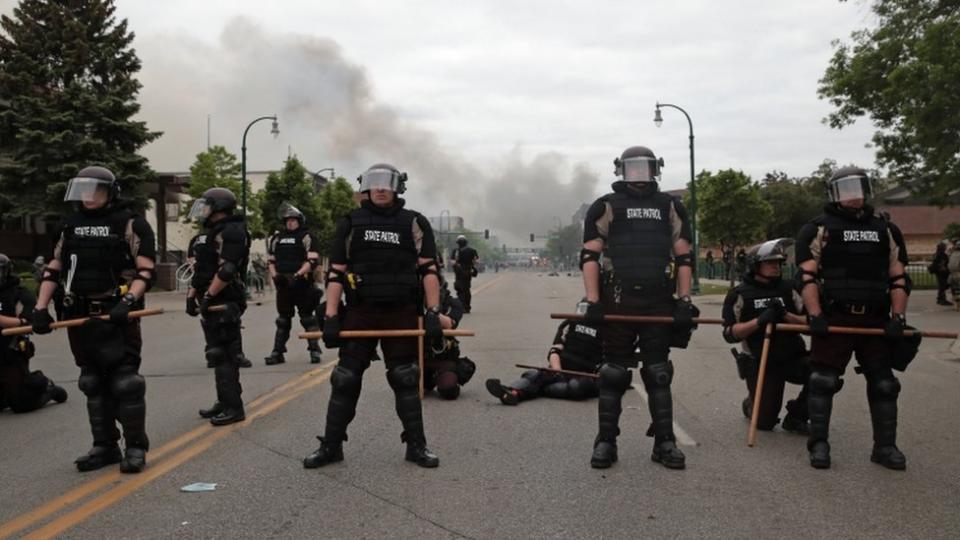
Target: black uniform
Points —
{"points": [[464, 270], [99, 248], [225, 240], [288, 251], [787, 358], [201, 239], [580, 349], [381, 248], [20, 389], [639, 226], [854, 251], [444, 368]]}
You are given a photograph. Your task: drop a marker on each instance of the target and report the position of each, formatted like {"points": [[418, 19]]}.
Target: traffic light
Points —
{"points": [[531, 237], [486, 234]]}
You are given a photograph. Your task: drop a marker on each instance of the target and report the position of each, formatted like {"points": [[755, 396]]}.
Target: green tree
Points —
{"points": [[293, 184], [952, 230], [68, 77], [796, 201], [216, 167], [731, 210], [564, 244], [904, 74], [335, 201]]}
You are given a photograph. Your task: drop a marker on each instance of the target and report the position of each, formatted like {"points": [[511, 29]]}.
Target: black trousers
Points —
{"points": [[302, 296], [222, 333], [20, 389], [461, 284]]}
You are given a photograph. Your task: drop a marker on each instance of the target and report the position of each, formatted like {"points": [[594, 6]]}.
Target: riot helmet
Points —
{"points": [[6, 270], [85, 186], [289, 211], [849, 184], [638, 164], [212, 201], [771, 250], [462, 241], [383, 176]]}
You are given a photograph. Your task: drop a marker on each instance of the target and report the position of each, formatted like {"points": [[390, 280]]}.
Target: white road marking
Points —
{"points": [[683, 439]]}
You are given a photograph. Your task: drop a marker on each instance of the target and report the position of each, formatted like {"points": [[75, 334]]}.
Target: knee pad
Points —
{"points": [[465, 369], [884, 389], [658, 375], [284, 323], [128, 385], [581, 389], [345, 379], [615, 377], [90, 384], [825, 382], [216, 355], [309, 323], [404, 376]]}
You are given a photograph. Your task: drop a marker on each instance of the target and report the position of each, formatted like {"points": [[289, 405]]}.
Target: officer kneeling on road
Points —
{"points": [[104, 259], [444, 368], [763, 297], [852, 274], [20, 389], [576, 347], [644, 237], [218, 281], [380, 254], [292, 259]]}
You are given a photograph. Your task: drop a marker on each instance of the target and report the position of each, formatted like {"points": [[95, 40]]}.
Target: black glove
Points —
{"points": [[120, 313], [331, 332], [594, 314], [193, 308], [895, 327], [205, 304], [683, 313], [773, 314], [818, 325], [474, 272], [432, 327], [280, 280], [42, 321]]}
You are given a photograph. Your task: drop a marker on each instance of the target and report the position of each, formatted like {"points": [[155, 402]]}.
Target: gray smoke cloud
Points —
{"points": [[329, 115]]}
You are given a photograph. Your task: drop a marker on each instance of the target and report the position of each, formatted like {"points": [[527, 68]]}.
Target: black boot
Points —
{"points": [[98, 457], [214, 410], [404, 379], [275, 358], [824, 383], [604, 453], [501, 392], [329, 452], [280, 341], [134, 460], [418, 453], [666, 453], [889, 456], [819, 454], [243, 361], [228, 416], [229, 393], [657, 378], [797, 414], [56, 393], [882, 392], [312, 324]]}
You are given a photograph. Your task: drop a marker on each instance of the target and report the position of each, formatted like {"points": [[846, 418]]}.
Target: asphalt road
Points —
{"points": [[505, 472]]}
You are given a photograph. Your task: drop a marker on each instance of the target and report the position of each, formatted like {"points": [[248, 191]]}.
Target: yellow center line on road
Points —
{"points": [[486, 286], [306, 380]]}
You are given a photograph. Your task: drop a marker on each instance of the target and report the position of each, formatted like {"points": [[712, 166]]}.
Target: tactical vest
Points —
{"points": [[756, 298], [96, 251], [383, 257], [581, 347], [206, 260], [855, 261], [289, 251], [640, 239]]}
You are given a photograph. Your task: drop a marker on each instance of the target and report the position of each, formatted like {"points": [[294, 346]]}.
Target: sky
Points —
{"points": [[507, 113]]}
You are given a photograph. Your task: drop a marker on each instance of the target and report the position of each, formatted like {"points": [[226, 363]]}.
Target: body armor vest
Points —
{"points": [[383, 256], [97, 246], [756, 298], [855, 261], [206, 260], [289, 251], [581, 347], [640, 239]]}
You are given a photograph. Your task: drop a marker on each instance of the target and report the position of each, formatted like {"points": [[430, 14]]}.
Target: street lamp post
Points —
{"points": [[658, 120], [317, 175], [243, 153]]}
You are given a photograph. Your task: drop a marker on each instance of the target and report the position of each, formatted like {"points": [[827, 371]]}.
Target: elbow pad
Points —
{"points": [[728, 335], [336, 276], [147, 280], [51, 275], [227, 271], [907, 284], [683, 260], [427, 268], [588, 255]]}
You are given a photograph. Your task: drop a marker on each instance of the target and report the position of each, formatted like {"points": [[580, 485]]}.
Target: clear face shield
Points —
{"points": [[850, 188], [287, 211], [380, 179], [87, 190], [640, 169], [200, 210]]}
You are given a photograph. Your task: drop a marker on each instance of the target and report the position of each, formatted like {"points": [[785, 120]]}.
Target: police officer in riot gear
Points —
{"points": [[218, 281], [852, 265], [644, 238], [763, 297], [104, 259], [20, 389], [576, 347], [443, 367], [292, 259], [464, 260], [383, 257]]}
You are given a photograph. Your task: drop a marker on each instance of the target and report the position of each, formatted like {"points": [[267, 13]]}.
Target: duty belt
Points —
{"points": [[851, 308]]}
